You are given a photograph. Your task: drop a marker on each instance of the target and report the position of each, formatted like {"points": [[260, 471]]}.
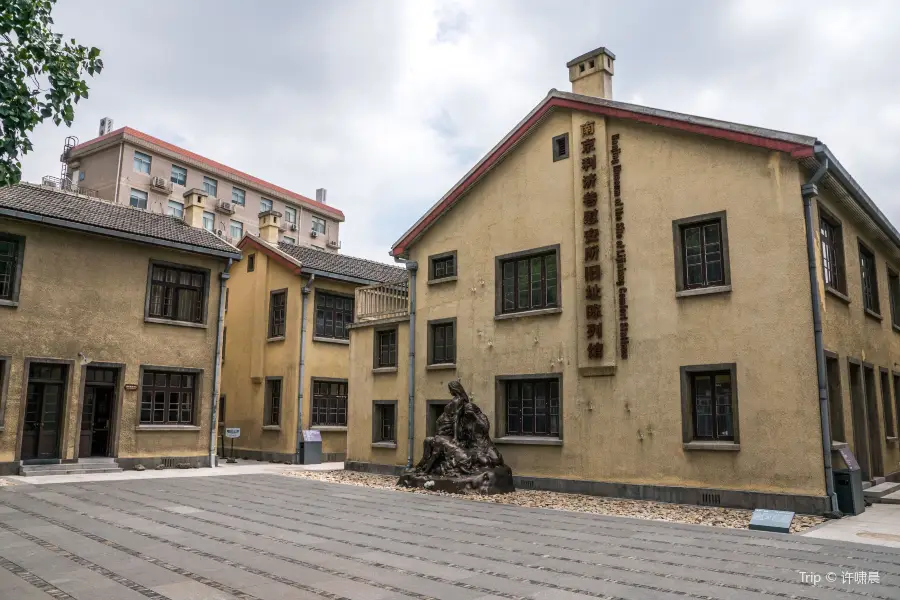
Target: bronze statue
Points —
{"points": [[460, 457]]}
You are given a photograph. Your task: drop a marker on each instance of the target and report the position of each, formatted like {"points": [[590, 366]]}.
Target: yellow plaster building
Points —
{"points": [[110, 320], [626, 293], [275, 360]]}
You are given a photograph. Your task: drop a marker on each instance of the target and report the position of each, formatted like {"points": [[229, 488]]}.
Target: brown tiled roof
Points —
{"points": [[343, 265], [63, 209]]}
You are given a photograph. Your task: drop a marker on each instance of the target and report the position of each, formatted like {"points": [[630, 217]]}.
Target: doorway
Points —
{"points": [[97, 412], [876, 464], [858, 406], [221, 426], [45, 397]]}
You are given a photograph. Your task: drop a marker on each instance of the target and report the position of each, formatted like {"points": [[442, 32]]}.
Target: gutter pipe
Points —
{"points": [[809, 190], [217, 368], [305, 290], [411, 266]]}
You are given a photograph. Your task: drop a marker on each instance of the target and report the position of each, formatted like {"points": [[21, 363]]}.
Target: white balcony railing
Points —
{"points": [[382, 301]]}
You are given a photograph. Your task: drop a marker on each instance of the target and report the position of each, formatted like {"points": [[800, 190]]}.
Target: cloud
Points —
{"points": [[388, 104]]}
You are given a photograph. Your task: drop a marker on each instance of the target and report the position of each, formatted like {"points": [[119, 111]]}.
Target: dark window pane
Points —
{"points": [[177, 294], [523, 283], [550, 270], [529, 283]]}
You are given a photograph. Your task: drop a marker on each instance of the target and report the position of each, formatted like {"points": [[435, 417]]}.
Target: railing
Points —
{"points": [[382, 301], [67, 186]]}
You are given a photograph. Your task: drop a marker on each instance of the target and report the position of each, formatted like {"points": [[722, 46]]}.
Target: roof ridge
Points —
{"points": [[333, 254]]}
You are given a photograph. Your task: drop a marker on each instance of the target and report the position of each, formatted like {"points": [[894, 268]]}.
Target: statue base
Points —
{"points": [[498, 480]]}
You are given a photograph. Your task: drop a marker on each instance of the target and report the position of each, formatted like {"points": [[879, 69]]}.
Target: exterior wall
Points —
{"points": [[85, 293], [100, 174], [627, 427], [852, 334]]}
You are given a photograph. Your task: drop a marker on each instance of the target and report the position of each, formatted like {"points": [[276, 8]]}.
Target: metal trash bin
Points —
{"points": [[849, 491], [311, 452]]}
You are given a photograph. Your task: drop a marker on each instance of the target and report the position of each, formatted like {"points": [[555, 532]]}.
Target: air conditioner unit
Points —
{"points": [[225, 207], [220, 233], [334, 244], [160, 183], [293, 227], [313, 233]]}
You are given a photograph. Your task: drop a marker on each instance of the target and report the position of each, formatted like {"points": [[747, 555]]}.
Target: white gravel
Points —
{"points": [[733, 518]]}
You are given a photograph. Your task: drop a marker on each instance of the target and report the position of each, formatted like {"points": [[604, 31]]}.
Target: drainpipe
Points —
{"points": [[217, 368], [809, 190], [118, 173], [411, 266], [305, 291]]}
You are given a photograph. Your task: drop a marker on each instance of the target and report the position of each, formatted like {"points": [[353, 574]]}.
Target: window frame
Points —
{"points": [[689, 438], [211, 186], [172, 175], [289, 240], [135, 161], [213, 215], [442, 323], [887, 404], [169, 207], [865, 252], [836, 245], [557, 155], [272, 331], [314, 411], [316, 220], [893, 283], [204, 298], [678, 226], [268, 405], [146, 199], [290, 210], [324, 294], [241, 193], [18, 263], [501, 409], [377, 363], [499, 261], [251, 262], [378, 438], [443, 257], [196, 404], [231, 225], [262, 202]]}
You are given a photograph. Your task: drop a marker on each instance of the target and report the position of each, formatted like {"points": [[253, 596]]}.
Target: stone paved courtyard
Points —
{"points": [[273, 537]]}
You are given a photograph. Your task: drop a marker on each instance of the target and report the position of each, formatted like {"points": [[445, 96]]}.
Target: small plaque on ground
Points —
{"points": [[312, 435], [232, 432], [848, 457], [778, 521]]}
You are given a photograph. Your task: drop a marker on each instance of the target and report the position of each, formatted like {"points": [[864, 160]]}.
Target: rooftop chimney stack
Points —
{"points": [[269, 224], [106, 126], [194, 205], [320, 195], [591, 73]]}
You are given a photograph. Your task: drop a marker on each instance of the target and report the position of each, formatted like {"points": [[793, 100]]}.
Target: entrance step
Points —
{"points": [[866, 485], [878, 492], [890, 498], [82, 467]]}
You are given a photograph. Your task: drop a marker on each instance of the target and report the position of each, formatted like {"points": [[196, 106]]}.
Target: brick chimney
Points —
{"points": [[194, 205], [269, 222], [591, 73]]}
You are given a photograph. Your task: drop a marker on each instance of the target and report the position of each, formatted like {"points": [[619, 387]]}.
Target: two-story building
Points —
{"points": [[110, 322], [286, 355], [627, 293], [129, 167]]}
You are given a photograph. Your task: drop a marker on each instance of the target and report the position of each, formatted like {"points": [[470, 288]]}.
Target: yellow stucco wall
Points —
{"points": [[86, 293], [628, 427], [250, 358]]}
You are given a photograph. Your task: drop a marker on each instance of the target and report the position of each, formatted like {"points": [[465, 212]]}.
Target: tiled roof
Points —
{"points": [[139, 136], [63, 209], [341, 264]]}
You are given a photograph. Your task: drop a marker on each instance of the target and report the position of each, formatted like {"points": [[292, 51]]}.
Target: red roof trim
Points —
{"points": [[209, 162], [248, 241], [795, 150]]}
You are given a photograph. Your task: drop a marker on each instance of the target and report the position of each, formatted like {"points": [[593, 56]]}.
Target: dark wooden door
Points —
{"points": [[97, 412], [860, 443], [876, 462], [43, 406]]}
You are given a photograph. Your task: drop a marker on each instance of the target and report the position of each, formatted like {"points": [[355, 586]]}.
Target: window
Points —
{"points": [[210, 186], [272, 416], [528, 281], [442, 342], [532, 407], [175, 209], [385, 348], [701, 253], [290, 214], [894, 292], [238, 196], [333, 314], [138, 199], [265, 204], [869, 279], [560, 147], [251, 263], [887, 405], [442, 266], [167, 398], [709, 403], [329, 403], [277, 313], [433, 410], [289, 240], [384, 422], [896, 378], [12, 250], [835, 399], [237, 230], [209, 221], [179, 175], [176, 293], [832, 252], [141, 162], [318, 225]]}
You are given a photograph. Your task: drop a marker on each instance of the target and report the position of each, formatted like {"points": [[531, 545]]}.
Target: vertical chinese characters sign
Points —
{"points": [[621, 257], [592, 268]]}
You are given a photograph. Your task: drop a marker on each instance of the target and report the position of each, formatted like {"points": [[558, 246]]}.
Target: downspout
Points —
{"points": [[305, 291], [217, 368], [810, 190], [118, 173], [411, 266]]}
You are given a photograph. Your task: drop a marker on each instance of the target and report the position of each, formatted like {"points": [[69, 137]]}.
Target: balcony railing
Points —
{"points": [[67, 186], [382, 301]]}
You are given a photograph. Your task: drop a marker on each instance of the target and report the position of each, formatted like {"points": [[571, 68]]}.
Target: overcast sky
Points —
{"points": [[387, 104]]}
